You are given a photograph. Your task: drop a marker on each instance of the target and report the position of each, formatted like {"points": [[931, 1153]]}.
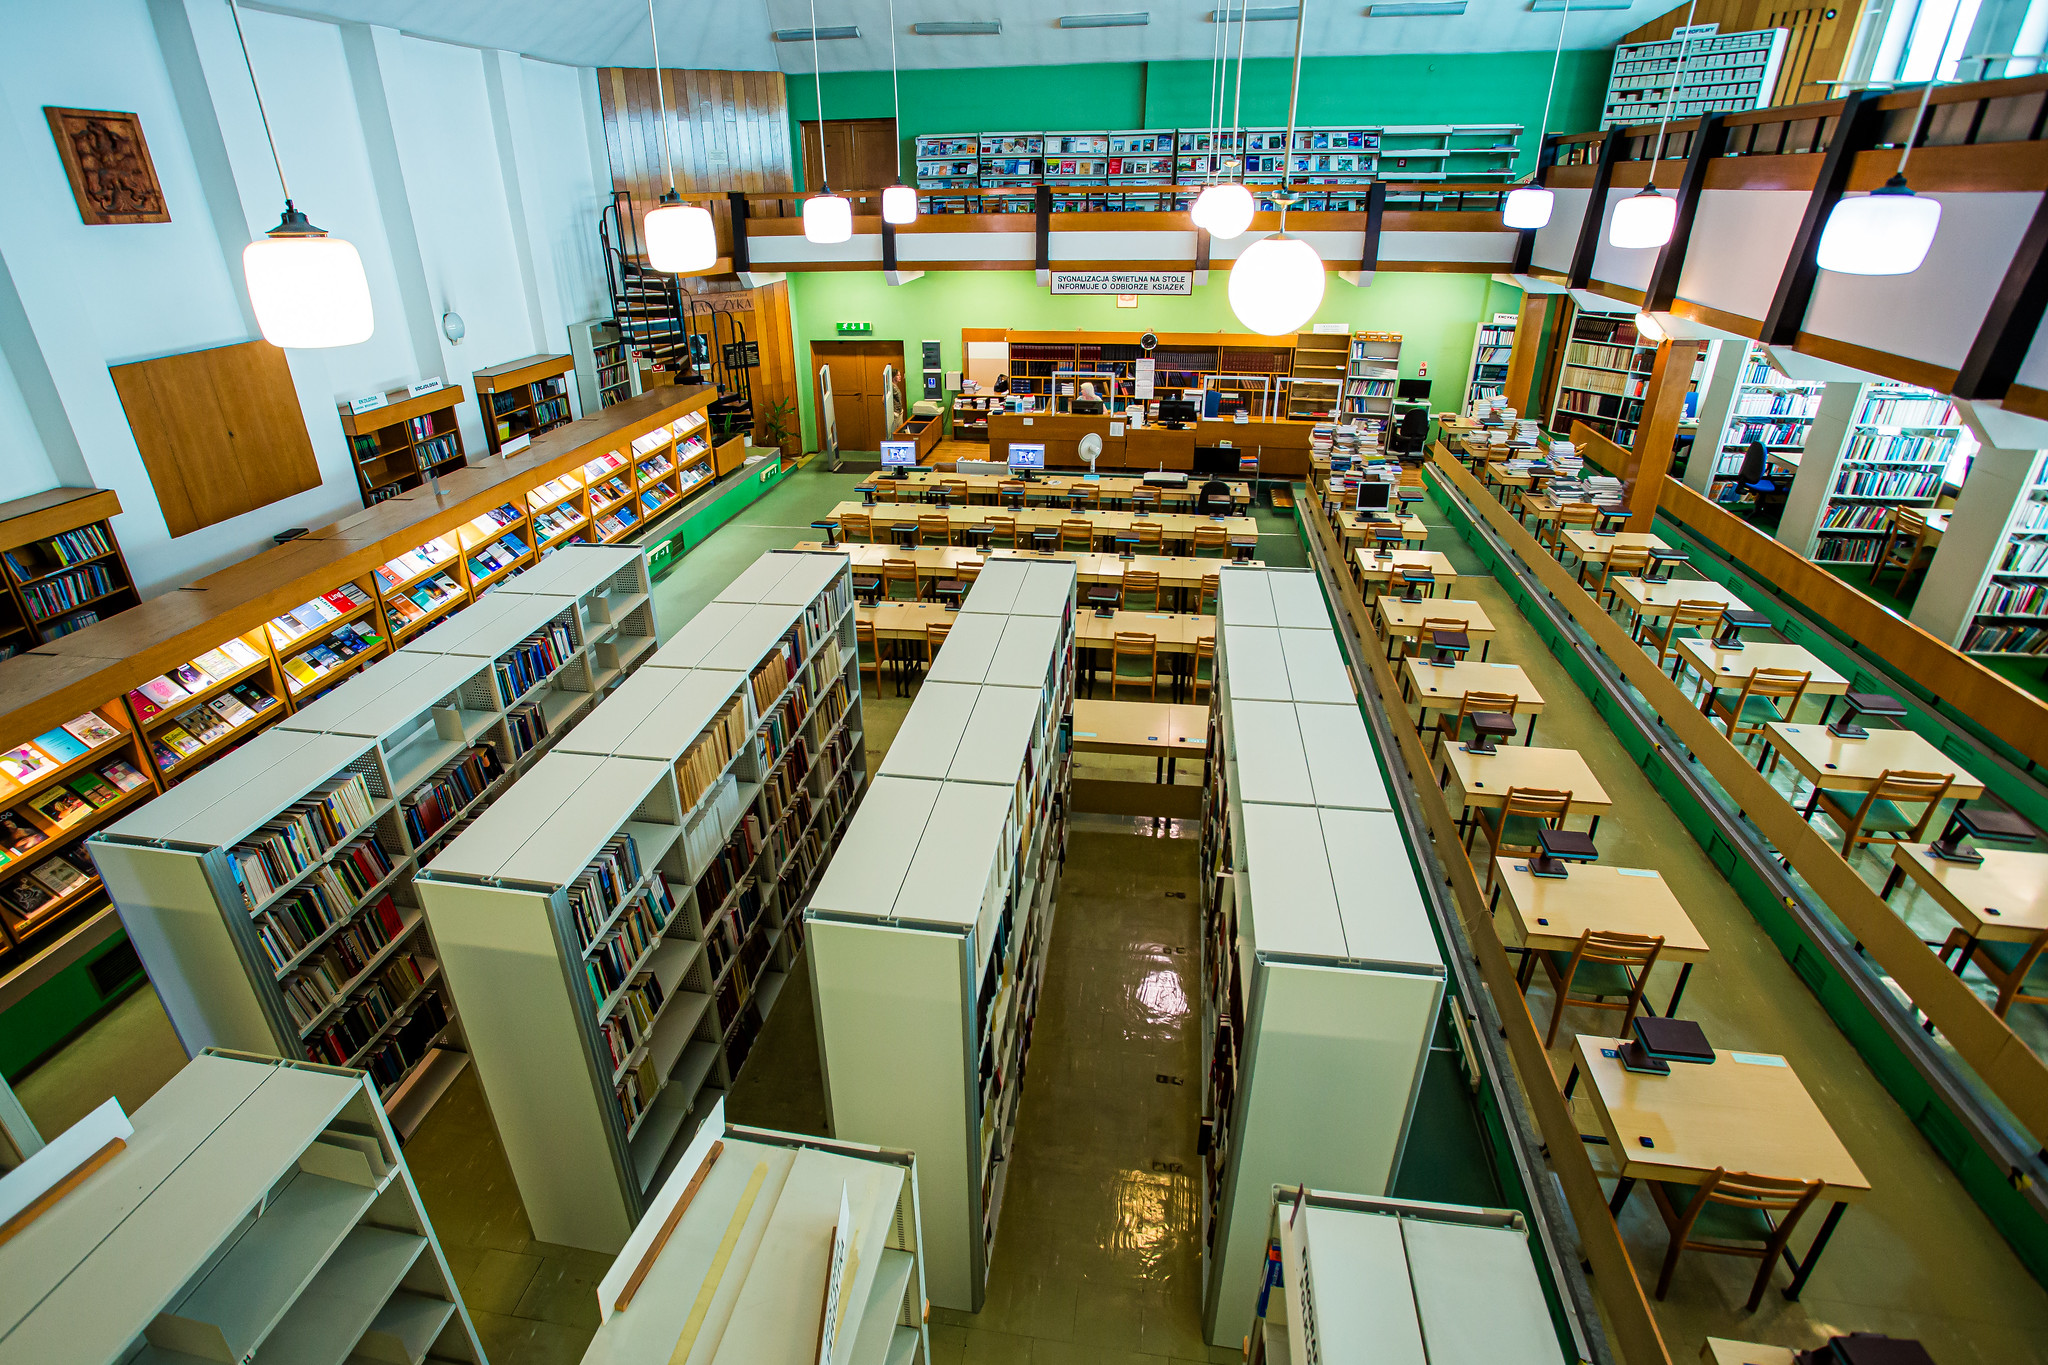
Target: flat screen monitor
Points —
{"points": [[1414, 390], [1374, 495], [1176, 410], [899, 453], [1217, 460], [1025, 456]]}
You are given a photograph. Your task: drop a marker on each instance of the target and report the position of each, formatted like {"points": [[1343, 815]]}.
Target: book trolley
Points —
{"points": [[272, 899], [929, 930], [261, 1210], [1321, 971], [618, 925]]}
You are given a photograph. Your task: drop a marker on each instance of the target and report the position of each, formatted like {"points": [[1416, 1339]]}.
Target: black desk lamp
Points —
{"points": [[831, 530], [1448, 646], [1103, 597], [1987, 825], [1733, 622], [1417, 584], [1487, 726], [1556, 847], [1662, 562], [1856, 704], [867, 494]]}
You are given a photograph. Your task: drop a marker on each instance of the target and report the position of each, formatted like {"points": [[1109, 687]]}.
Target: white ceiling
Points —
{"points": [[734, 36]]}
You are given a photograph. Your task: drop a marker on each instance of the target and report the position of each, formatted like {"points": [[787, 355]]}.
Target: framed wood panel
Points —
{"points": [[220, 432]]}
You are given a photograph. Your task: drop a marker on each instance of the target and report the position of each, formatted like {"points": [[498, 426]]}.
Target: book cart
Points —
{"points": [[1320, 967], [617, 927], [777, 1301], [929, 930], [272, 899], [261, 1210]]}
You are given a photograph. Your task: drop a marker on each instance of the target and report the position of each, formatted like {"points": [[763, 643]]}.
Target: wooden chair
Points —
{"points": [[870, 652], [934, 636], [1002, 532], [967, 570], [1904, 542], [1601, 967], [1204, 675], [1151, 540], [855, 528], [1140, 591], [1012, 493], [1077, 534], [885, 490], [1084, 497], [1212, 584], [900, 573], [1621, 562], [1737, 1215], [1511, 830], [1435, 623], [1758, 703], [1497, 704], [2008, 966], [1878, 816], [956, 491], [1572, 516], [1134, 662], [1689, 620], [935, 530], [1211, 541]]}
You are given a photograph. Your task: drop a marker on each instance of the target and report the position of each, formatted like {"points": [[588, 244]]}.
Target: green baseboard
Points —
{"points": [[689, 531], [59, 1009]]}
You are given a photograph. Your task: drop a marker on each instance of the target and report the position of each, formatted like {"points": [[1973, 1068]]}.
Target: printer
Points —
{"points": [[1165, 478]]}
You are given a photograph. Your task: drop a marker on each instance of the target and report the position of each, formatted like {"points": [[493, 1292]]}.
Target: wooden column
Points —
{"points": [[1663, 408], [1524, 389]]}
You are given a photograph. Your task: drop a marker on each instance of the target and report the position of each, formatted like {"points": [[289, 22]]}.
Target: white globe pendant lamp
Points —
{"points": [[1644, 219], [1277, 284], [306, 288], [1224, 210], [681, 238], [1885, 232], [899, 201], [1530, 206], [899, 205]]}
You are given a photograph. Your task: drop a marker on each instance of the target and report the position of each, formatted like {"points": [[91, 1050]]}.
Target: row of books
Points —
{"points": [[614, 524], [408, 1043], [68, 591], [330, 896], [304, 669], [1856, 516], [610, 961], [421, 559], [2014, 599], [705, 834], [54, 879], [1776, 403], [319, 981], [561, 487], [449, 792], [602, 887], [59, 551], [498, 518], [529, 726], [1898, 448], [160, 693], [698, 768], [342, 1037], [1597, 353], [1904, 485], [693, 476], [421, 600], [2024, 556], [501, 553], [1369, 388], [300, 836], [1930, 411], [438, 451], [64, 807], [1986, 638], [731, 866], [212, 720], [77, 620], [309, 618], [613, 490], [422, 427], [27, 764], [625, 1029], [1604, 381], [653, 469], [1844, 550], [1770, 433], [534, 659], [556, 522]]}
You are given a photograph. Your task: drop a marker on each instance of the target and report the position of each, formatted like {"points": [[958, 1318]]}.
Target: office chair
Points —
{"points": [[1216, 500], [1752, 481], [1408, 437]]}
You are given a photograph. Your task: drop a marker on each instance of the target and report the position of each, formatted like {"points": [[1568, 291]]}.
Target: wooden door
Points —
{"points": [[861, 154], [857, 387]]}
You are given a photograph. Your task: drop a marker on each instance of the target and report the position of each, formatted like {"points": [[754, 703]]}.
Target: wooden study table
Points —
{"points": [[1354, 529], [1443, 687], [1401, 619], [1854, 765], [1730, 668], [1481, 781], [1173, 526], [1551, 914], [1592, 547], [1146, 729], [1376, 570], [1660, 599], [2004, 899], [1745, 1111], [944, 561], [1050, 486]]}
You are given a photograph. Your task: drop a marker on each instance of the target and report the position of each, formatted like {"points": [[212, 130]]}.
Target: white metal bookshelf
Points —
{"points": [[1492, 347], [1896, 455], [320, 954], [1694, 71], [1321, 973], [1764, 406], [929, 929], [1393, 1279], [617, 927], [775, 1302], [262, 1209], [2011, 609]]}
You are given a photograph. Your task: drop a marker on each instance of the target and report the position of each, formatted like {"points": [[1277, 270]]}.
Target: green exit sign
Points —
{"points": [[855, 328]]}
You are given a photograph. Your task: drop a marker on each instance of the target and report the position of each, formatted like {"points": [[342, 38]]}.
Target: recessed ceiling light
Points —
{"points": [[1415, 9], [960, 28], [805, 35], [1135, 19], [1257, 15]]}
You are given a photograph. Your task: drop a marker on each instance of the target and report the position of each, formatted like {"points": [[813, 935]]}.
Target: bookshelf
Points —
{"points": [[1721, 73], [1319, 383], [775, 1288], [321, 956], [191, 715], [929, 929], [2009, 611], [605, 373], [1375, 366], [1765, 406], [618, 925], [262, 1210], [949, 161], [1606, 372], [1363, 1279], [1492, 347], [1896, 455], [396, 446], [1320, 969], [65, 569], [1180, 364], [523, 398]]}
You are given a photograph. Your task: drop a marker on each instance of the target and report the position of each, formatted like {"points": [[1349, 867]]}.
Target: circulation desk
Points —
{"points": [[1282, 448]]}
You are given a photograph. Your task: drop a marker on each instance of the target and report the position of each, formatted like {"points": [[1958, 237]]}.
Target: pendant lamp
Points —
{"points": [[1885, 232], [1649, 329], [681, 238], [1277, 284], [828, 217], [306, 288], [1644, 219], [1530, 206], [899, 201], [1224, 209]]}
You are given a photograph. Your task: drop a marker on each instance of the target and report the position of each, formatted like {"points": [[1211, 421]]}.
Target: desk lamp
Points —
{"points": [[1487, 726], [1448, 646], [1417, 584], [978, 537], [1103, 597], [867, 494], [1856, 704], [867, 590], [1556, 847], [1242, 547], [1995, 826], [1733, 622], [831, 532], [1662, 562], [1126, 545], [941, 496], [1079, 501], [950, 591], [1611, 520]]}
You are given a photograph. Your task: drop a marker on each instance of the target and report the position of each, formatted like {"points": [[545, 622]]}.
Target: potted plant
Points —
{"points": [[779, 424]]}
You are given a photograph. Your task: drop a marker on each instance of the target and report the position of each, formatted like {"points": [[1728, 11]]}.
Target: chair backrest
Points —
{"points": [[1625, 560], [1577, 514], [1788, 1199], [885, 490], [934, 636], [1773, 684], [1133, 643], [1149, 533], [1414, 424], [1211, 537], [1546, 805], [1625, 950], [956, 489], [1212, 585], [896, 570], [1142, 582], [1010, 491], [1905, 786], [1002, 528], [1077, 529], [855, 526], [939, 527], [1698, 613], [967, 570], [1488, 703], [1908, 522]]}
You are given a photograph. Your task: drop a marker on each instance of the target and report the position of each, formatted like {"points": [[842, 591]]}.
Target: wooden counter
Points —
{"points": [[1282, 447]]}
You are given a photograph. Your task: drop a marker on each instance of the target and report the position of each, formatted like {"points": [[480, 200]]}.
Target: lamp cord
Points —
{"points": [[1672, 99], [1293, 103], [1237, 109], [818, 80], [1933, 79], [263, 113], [1218, 56], [661, 96], [895, 86], [1557, 57]]}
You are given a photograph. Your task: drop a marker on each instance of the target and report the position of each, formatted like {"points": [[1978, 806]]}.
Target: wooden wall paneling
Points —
{"points": [[220, 431], [778, 377], [1521, 390], [1815, 46], [863, 152]]}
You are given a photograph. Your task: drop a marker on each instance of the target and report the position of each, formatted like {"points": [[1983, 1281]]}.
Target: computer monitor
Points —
{"points": [[1026, 456], [1374, 495], [1413, 390], [898, 453], [1174, 411]]}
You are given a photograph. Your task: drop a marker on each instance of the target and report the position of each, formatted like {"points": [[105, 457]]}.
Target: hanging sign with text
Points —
{"points": [[1123, 282]]}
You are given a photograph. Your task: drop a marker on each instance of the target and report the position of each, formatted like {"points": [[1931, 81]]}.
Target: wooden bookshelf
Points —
{"points": [[1372, 370], [1180, 361], [64, 567], [523, 398], [1606, 372], [605, 373], [1320, 364], [395, 447], [607, 1021]]}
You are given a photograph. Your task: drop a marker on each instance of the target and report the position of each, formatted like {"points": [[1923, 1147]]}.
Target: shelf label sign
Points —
{"points": [[369, 403], [424, 386], [515, 445], [1687, 31], [1123, 282]]}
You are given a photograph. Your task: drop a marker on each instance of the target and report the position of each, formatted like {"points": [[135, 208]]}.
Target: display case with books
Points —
{"points": [[495, 546], [64, 568], [197, 711], [326, 638], [558, 511], [618, 925], [421, 586], [523, 398], [396, 445]]}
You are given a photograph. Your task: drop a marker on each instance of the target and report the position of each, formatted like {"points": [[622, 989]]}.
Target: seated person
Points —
{"points": [[1088, 403]]}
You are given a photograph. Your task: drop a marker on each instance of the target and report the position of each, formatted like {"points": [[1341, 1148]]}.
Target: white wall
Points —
{"points": [[464, 177]]}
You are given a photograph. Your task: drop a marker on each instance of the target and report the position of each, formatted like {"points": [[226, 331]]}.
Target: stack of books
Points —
{"points": [[310, 617]]}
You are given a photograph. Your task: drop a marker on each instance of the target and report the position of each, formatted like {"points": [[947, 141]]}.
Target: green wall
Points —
{"points": [[1434, 87], [1435, 313]]}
